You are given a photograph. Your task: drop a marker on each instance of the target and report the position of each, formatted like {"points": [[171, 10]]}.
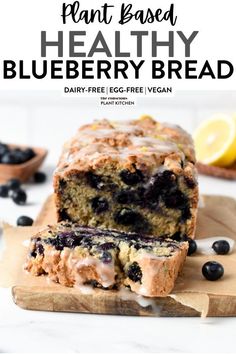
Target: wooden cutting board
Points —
{"points": [[217, 217]]}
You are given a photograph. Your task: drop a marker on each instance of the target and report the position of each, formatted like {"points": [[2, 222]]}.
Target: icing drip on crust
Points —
{"points": [[143, 140]]}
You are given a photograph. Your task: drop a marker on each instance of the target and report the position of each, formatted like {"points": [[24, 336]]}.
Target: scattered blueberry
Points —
{"points": [[212, 270], [99, 205], [134, 272], [24, 221], [19, 197], [192, 246], [4, 190], [13, 184], [131, 178], [221, 247], [39, 177]]}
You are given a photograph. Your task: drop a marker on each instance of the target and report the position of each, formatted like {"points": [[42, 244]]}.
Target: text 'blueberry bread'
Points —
{"points": [[136, 176], [75, 255]]}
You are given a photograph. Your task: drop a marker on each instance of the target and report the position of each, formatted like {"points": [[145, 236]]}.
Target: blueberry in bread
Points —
{"points": [[74, 255], [135, 176]]}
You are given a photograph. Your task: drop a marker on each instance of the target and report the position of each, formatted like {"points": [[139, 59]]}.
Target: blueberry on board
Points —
{"points": [[24, 221], [99, 205], [134, 272], [131, 178], [39, 177], [13, 184], [192, 246], [221, 247], [212, 270], [19, 197]]}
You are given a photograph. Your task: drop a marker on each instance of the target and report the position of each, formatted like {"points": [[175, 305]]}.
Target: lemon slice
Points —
{"points": [[215, 141]]}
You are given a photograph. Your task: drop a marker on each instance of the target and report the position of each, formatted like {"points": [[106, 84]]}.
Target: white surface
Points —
{"points": [[30, 331]]}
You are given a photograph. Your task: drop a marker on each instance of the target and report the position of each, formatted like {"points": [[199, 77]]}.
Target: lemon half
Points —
{"points": [[215, 141]]}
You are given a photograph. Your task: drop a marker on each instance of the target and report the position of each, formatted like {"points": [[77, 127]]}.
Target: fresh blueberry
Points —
{"points": [[106, 257], [134, 272], [212, 270], [39, 177], [4, 191], [99, 205], [24, 221], [29, 154], [13, 184], [221, 247], [9, 158], [131, 178], [3, 149], [19, 197], [192, 246]]}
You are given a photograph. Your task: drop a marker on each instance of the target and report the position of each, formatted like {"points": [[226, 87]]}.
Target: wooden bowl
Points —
{"points": [[24, 170], [215, 171]]}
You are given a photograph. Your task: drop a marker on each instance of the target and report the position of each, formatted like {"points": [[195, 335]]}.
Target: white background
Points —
{"points": [[22, 22]]}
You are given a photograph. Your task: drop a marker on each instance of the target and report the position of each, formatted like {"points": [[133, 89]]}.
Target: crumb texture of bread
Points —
{"points": [[74, 255], [136, 176]]}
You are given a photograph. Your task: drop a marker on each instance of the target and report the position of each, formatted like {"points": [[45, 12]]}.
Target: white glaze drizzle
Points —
{"points": [[26, 243], [127, 295]]}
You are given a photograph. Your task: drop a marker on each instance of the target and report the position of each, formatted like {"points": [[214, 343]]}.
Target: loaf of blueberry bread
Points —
{"points": [[74, 255], [135, 176]]}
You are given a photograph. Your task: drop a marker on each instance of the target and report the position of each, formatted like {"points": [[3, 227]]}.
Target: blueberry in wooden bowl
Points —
{"points": [[19, 161]]}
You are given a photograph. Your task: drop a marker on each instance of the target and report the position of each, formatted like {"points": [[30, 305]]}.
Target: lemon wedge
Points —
{"points": [[215, 141]]}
